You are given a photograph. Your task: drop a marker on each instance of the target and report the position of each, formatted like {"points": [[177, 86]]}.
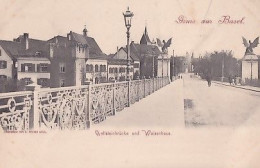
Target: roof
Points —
{"points": [[141, 50], [145, 38], [132, 54], [94, 49], [79, 38], [61, 40], [11, 48], [114, 61], [37, 48]]}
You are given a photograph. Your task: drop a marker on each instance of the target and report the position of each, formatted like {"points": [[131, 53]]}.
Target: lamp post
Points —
{"points": [[128, 17]]}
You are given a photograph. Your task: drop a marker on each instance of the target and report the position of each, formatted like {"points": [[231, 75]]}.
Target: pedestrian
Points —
{"points": [[230, 80], [208, 78]]}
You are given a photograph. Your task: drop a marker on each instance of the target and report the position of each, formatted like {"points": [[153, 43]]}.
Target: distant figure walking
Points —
{"points": [[208, 78], [230, 80]]}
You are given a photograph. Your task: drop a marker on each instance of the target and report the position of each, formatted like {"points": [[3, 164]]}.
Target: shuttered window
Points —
{"points": [[3, 64], [42, 67], [62, 67], [28, 67]]}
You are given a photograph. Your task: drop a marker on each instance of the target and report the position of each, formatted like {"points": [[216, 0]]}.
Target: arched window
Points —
{"points": [[91, 68], [88, 68], [96, 68]]}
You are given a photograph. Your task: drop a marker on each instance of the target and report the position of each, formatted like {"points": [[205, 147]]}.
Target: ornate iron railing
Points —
{"points": [[63, 108], [72, 107], [15, 111]]}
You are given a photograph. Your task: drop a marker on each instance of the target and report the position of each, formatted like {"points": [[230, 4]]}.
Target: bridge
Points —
{"points": [[151, 103], [72, 107]]}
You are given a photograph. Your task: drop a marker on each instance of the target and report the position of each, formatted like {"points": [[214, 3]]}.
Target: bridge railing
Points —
{"points": [[72, 107]]}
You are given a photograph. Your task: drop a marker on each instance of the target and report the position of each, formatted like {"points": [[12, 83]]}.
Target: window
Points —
{"points": [[62, 82], [27, 67], [136, 65], [91, 68], [96, 68], [3, 64], [111, 70], [116, 70], [3, 77], [27, 81], [42, 67], [88, 68], [62, 68], [43, 82]]}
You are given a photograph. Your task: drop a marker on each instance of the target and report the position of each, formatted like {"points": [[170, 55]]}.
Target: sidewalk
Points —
{"points": [[164, 108], [255, 89]]}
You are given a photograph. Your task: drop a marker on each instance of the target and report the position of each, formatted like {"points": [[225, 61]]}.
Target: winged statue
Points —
{"points": [[164, 45], [249, 46]]}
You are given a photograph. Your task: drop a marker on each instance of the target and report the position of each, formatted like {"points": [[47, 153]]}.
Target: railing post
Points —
{"points": [[114, 109], [88, 118], [144, 88], [138, 90], [153, 85], [128, 97], [36, 116]]}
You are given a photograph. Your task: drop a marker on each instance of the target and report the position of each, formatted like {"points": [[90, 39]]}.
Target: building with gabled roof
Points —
{"points": [[25, 59], [76, 59]]}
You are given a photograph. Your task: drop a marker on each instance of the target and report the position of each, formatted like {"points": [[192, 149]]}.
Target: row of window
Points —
{"points": [[44, 82], [29, 67], [100, 68], [120, 70]]}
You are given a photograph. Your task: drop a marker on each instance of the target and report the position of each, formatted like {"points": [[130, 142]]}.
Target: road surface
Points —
{"points": [[219, 105]]}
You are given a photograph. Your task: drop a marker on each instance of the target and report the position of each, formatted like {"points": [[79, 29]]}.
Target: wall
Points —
{"points": [[116, 76], [90, 76], [33, 75], [5, 57], [56, 75]]}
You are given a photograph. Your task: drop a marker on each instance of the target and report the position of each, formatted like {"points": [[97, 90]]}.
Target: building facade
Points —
{"points": [[25, 59]]}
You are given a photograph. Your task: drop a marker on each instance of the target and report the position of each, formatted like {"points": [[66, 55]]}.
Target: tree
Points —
{"points": [[11, 85]]}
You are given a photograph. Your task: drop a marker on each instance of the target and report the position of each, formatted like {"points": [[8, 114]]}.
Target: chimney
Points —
{"points": [[26, 41], [117, 51], [69, 35], [85, 31], [51, 50], [56, 39]]}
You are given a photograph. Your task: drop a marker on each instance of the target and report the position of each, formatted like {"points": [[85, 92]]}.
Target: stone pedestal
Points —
{"points": [[250, 67]]}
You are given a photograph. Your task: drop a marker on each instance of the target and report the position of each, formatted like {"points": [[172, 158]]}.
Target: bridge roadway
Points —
{"points": [[189, 102], [163, 108], [233, 141]]}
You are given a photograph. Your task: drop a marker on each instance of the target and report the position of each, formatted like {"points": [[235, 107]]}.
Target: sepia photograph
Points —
{"points": [[120, 83]]}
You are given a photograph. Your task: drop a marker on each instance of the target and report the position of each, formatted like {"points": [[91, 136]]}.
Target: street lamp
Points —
{"points": [[128, 17]]}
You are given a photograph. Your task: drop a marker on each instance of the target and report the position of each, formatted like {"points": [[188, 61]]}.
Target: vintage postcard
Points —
{"points": [[129, 84]]}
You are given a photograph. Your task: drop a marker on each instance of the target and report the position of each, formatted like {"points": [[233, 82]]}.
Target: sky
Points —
{"points": [[44, 19]]}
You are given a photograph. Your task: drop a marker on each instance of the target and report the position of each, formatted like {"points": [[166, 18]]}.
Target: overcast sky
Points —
{"points": [[43, 19]]}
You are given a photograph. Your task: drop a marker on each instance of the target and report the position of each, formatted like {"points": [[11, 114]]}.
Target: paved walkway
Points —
{"points": [[256, 89], [164, 108]]}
